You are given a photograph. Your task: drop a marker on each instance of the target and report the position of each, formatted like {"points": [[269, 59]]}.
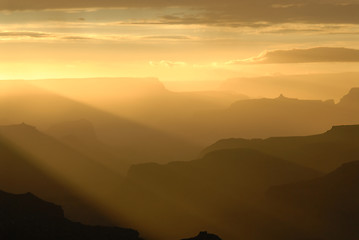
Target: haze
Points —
{"points": [[164, 120]]}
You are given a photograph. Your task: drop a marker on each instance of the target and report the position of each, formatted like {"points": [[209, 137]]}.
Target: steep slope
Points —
{"points": [[81, 135], [323, 152], [212, 193], [121, 94], [142, 100], [352, 98], [348, 108], [24, 216], [34, 161], [327, 207], [81, 129], [22, 102]]}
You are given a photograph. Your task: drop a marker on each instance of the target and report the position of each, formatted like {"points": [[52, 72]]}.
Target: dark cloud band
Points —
{"points": [[226, 12], [311, 55], [25, 34]]}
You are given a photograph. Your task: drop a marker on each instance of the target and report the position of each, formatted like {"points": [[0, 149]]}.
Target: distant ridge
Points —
{"points": [[351, 98], [338, 132], [281, 99], [323, 152], [344, 132], [310, 86]]}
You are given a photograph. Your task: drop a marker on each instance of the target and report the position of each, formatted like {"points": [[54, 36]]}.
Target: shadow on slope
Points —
{"points": [[81, 136], [21, 173], [144, 100], [22, 102]]}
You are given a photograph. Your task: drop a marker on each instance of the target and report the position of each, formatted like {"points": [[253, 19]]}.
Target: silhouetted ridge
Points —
{"points": [[28, 205], [326, 207], [238, 154], [215, 188], [345, 132], [24, 216], [341, 180], [204, 236], [324, 152], [276, 102], [226, 166], [347, 176]]}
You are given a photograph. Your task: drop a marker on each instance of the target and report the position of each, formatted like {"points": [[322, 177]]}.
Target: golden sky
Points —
{"points": [[178, 39]]}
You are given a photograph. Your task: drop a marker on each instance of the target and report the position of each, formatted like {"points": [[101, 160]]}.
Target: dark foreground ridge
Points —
{"points": [[204, 236], [24, 216]]}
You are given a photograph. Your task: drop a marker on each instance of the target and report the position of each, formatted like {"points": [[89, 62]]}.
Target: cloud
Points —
{"points": [[77, 38], [166, 63], [169, 37], [310, 55], [40, 36], [25, 34], [225, 12]]}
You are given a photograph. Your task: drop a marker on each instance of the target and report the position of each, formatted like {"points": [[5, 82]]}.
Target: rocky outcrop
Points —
{"points": [[204, 236]]}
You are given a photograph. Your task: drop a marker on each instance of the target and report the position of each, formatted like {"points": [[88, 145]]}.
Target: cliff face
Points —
{"points": [[24, 216]]}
